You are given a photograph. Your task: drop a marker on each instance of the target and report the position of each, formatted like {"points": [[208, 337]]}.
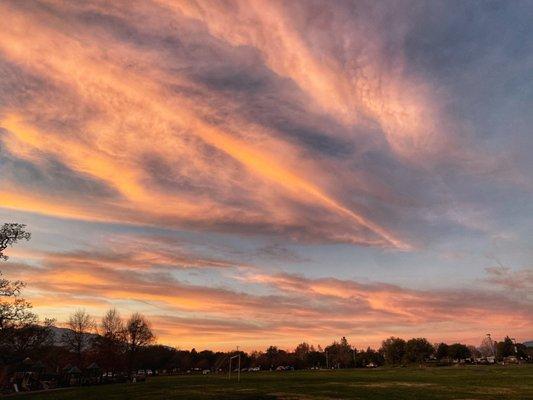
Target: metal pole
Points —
{"points": [[239, 370], [491, 343]]}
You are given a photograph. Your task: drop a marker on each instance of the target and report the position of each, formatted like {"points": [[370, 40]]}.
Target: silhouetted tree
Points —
{"points": [[110, 345], [20, 332], [112, 326], [521, 351], [340, 354], [442, 351], [11, 233], [76, 338], [16, 318], [418, 350], [158, 358], [369, 356], [393, 350], [458, 351], [302, 351], [15, 312], [301, 354], [30, 339], [271, 356], [316, 357], [505, 348], [138, 335]]}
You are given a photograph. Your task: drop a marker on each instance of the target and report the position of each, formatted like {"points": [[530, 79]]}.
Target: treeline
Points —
{"points": [[339, 354]]}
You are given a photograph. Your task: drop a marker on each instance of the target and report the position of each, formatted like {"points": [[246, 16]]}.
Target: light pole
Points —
{"points": [[491, 345]]}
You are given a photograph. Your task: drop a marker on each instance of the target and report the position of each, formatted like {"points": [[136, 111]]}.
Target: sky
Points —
{"points": [[248, 173]]}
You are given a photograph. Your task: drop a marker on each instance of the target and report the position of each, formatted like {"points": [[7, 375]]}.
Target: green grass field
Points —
{"points": [[475, 382]]}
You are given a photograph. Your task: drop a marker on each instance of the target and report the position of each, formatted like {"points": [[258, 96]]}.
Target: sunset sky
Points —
{"points": [[248, 173]]}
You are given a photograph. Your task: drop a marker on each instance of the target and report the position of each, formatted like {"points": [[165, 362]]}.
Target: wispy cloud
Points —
{"points": [[511, 279]]}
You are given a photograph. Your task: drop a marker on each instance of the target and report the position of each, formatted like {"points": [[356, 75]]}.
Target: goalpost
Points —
{"points": [[238, 357]]}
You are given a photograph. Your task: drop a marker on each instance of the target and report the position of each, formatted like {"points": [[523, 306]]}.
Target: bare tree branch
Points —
{"points": [[11, 233]]}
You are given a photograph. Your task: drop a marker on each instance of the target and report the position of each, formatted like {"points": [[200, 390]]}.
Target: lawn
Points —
{"points": [[473, 382]]}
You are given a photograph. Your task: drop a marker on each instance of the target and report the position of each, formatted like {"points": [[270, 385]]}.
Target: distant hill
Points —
{"points": [[529, 343], [59, 332]]}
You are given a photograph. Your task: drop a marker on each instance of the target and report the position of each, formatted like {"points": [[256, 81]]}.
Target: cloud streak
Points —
{"points": [[127, 90], [276, 307]]}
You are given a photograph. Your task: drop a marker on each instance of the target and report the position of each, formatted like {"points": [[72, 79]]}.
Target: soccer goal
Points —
{"points": [[238, 357]]}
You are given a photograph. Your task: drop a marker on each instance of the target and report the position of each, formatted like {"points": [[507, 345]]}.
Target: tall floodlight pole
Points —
{"points": [[491, 345]]}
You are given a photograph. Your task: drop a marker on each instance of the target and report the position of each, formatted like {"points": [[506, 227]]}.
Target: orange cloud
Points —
{"points": [[290, 306], [361, 89], [136, 107]]}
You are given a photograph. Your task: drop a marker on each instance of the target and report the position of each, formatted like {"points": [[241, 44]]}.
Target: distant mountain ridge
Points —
{"points": [[529, 343], [59, 332]]}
